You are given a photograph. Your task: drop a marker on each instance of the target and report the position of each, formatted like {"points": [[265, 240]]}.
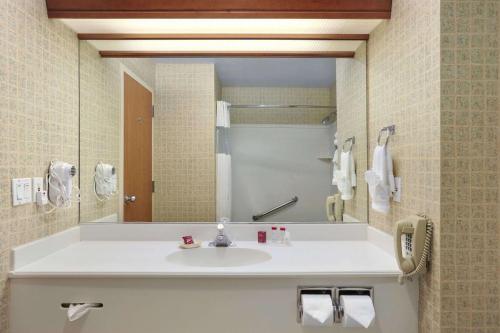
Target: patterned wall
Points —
{"points": [[100, 123], [184, 145], [351, 121], [470, 294], [404, 90], [38, 120], [277, 95], [443, 98], [99, 127]]}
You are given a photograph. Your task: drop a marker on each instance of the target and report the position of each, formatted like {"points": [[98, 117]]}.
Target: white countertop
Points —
{"points": [[148, 259]]}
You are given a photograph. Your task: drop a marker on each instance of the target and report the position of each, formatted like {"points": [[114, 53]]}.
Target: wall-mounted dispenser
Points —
{"points": [[350, 306], [60, 183], [105, 181]]}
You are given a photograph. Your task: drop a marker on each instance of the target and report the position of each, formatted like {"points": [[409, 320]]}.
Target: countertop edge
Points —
{"points": [[121, 275]]}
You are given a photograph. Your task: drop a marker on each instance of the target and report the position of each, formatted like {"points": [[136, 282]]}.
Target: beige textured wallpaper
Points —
{"points": [[99, 127], [498, 155], [277, 95], [404, 90], [184, 143], [38, 120], [433, 72], [351, 121], [100, 123], [469, 237]]}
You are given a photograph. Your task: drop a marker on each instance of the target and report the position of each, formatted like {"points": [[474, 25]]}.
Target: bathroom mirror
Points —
{"points": [[222, 139]]}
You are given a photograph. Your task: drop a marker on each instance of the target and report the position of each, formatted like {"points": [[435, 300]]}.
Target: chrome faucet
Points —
{"points": [[221, 240]]}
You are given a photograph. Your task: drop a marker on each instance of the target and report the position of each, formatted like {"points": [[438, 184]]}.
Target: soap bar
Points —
{"points": [[193, 245]]}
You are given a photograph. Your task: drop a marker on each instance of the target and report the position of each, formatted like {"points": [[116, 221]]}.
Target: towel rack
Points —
{"points": [[352, 140], [391, 130]]}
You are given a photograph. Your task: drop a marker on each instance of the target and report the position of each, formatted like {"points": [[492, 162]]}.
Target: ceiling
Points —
{"points": [[213, 46], [162, 35], [213, 26], [338, 9], [222, 28], [216, 37], [268, 72]]}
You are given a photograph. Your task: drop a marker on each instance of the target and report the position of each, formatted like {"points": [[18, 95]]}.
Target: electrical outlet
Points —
{"points": [[37, 185], [397, 195]]}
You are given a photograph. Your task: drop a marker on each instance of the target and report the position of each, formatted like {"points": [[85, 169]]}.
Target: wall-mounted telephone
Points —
{"points": [[412, 240], [104, 181], [60, 183], [334, 208]]}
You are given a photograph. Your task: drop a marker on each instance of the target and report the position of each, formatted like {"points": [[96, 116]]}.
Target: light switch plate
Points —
{"points": [[21, 191], [397, 194]]}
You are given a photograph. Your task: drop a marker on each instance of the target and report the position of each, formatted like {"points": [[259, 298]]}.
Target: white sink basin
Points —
{"points": [[218, 257]]}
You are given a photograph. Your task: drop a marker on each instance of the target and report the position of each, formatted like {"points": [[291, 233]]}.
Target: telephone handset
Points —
{"points": [[334, 208], [412, 240]]}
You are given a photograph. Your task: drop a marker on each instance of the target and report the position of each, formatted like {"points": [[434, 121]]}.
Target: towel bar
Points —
{"points": [[391, 130], [93, 305], [352, 140]]}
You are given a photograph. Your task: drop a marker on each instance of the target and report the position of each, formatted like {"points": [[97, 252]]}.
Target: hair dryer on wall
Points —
{"points": [[104, 181], [60, 183]]}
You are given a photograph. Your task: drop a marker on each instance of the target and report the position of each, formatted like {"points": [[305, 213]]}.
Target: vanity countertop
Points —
{"points": [[149, 259]]}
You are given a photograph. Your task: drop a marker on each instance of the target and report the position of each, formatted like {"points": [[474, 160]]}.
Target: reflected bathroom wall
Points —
{"points": [[278, 152], [101, 127], [351, 122], [184, 143]]}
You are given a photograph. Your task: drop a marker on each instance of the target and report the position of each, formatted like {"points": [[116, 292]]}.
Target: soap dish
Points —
{"points": [[190, 246]]}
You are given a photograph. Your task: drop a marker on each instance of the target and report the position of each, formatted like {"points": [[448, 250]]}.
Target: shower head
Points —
{"points": [[328, 119]]}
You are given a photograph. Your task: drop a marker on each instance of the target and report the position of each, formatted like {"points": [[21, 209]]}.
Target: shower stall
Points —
{"points": [[280, 169]]}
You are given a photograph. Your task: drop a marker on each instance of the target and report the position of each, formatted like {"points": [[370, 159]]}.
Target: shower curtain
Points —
{"points": [[223, 163]]}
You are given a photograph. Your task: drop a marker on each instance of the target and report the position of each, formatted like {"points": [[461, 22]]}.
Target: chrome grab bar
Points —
{"points": [[275, 209]]}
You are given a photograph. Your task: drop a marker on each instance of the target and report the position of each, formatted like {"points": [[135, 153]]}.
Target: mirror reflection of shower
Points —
{"points": [[328, 120], [280, 149]]}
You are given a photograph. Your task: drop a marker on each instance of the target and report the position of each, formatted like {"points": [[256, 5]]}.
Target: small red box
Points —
{"points": [[261, 237]]}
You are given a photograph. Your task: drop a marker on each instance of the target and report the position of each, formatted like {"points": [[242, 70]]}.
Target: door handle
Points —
{"points": [[129, 198]]}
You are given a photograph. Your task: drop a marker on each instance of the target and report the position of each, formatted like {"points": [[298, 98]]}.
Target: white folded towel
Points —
{"points": [[336, 166], [347, 176], [380, 179]]}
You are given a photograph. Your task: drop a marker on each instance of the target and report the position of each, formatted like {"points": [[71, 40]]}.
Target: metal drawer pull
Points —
{"points": [[92, 305]]}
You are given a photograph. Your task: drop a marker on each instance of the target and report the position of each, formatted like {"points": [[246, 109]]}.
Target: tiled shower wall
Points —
{"points": [[470, 295], [100, 123], [277, 95], [184, 143], [403, 90], [38, 120], [351, 122]]}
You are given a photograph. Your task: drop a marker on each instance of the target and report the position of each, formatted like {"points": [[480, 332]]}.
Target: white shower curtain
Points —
{"points": [[223, 163]]}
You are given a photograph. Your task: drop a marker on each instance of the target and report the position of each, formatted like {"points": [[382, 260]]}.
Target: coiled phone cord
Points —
{"points": [[425, 252]]}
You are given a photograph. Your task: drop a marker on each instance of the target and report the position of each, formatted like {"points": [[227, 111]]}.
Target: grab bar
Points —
{"points": [[275, 209]]}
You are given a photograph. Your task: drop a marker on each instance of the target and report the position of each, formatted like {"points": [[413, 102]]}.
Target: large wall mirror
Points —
{"points": [[223, 139]]}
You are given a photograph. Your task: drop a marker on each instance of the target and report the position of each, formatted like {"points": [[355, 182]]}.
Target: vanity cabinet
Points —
{"points": [[195, 304]]}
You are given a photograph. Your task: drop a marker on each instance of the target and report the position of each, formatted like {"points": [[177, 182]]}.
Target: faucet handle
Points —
{"points": [[220, 226]]}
